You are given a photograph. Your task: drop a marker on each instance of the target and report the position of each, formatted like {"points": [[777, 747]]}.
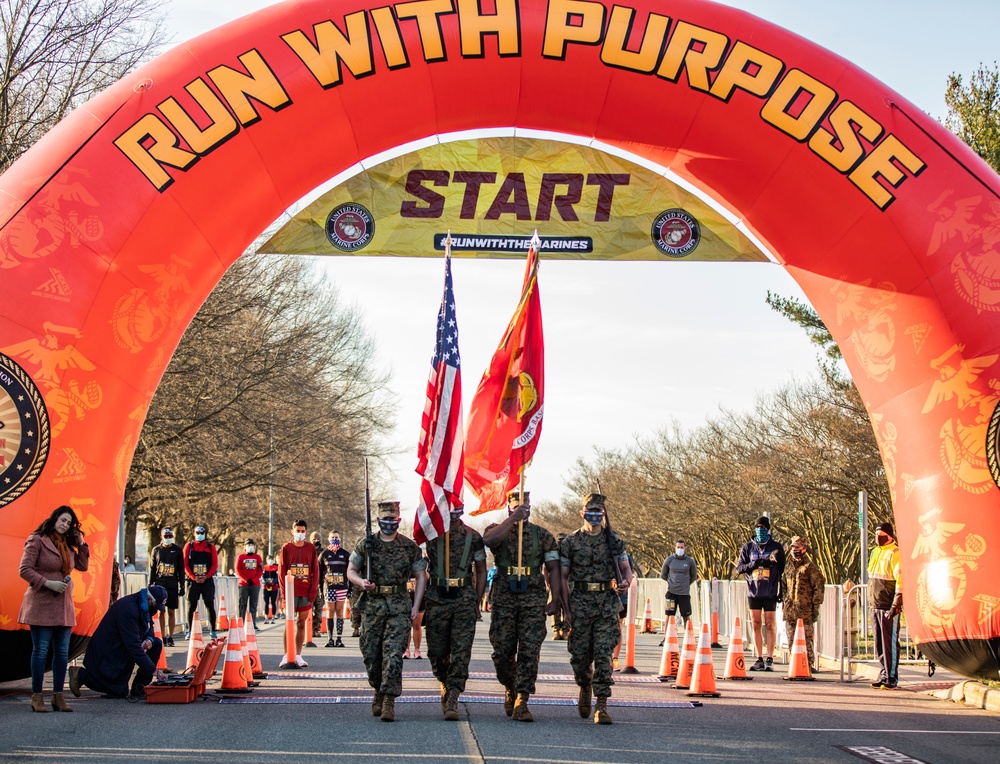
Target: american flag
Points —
{"points": [[441, 452]]}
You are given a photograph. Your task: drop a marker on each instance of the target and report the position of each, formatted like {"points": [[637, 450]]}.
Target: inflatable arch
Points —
{"points": [[119, 222]]}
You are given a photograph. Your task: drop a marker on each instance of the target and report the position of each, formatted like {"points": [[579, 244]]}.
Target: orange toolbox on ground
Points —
{"points": [[188, 692]]}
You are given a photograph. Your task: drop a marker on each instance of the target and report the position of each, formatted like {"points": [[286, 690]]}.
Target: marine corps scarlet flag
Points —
{"points": [[505, 416]]}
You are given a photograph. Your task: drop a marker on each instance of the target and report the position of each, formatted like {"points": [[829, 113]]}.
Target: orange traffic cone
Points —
{"points": [[289, 660], [309, 630], [256, 664], [270, 613], [326, 617], [234, 677], [671, 659], [687, 659], [798, 664], [245, 652], [162, 662], [704, 672], [347, 609], [222, 622], [736, 664], [647, 618], [196, 644]]}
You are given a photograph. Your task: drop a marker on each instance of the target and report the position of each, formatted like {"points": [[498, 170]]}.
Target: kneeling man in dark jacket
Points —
{"points": [[123, 639]]}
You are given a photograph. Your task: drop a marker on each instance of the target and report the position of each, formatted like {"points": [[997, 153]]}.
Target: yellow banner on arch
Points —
{"points": [[491, 193]]}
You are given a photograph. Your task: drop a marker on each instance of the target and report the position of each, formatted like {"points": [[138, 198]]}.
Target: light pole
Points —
{"points": [[270, 497]]}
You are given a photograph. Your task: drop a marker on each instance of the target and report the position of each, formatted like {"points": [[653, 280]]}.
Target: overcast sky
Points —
{"points": [[632, 346]]}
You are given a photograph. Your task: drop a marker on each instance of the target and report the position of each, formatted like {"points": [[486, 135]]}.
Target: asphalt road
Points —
{"points": [[295, 716]]}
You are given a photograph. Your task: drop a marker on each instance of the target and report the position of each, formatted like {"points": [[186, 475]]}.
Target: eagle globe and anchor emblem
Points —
{"points": [[24, 431], [350, 227]]}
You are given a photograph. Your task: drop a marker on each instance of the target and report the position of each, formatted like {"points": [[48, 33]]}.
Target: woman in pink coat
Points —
{"points": [[50, 553]]}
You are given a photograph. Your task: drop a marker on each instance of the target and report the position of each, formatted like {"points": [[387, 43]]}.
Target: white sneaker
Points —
{"points": [[299, 662]]}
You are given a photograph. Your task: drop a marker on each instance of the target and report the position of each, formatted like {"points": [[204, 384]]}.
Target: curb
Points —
{"points": [[972, 693]]}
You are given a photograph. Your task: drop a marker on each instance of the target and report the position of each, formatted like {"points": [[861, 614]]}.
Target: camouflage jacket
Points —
{"points": [[588, 557], [394, 562], [802, 589], [458, 535], [505, 553]]}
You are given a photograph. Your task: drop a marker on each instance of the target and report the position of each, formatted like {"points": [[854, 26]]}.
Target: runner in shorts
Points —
{"points": [[762, 561], [166, 569], [335, 560]]}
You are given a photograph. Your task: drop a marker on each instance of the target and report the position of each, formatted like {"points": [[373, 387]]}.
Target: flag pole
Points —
{"points": [[520, 529], [447, 533]]}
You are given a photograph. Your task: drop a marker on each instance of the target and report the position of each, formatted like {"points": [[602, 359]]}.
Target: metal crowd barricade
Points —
{"points": [[224, 585], [858, 641]]}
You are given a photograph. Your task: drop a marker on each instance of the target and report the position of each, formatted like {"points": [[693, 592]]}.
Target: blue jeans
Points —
{"points": [[42, 639]]}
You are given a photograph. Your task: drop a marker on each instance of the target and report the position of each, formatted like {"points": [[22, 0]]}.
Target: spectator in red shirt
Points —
{"points": [[299, 558], [249, 569], [201, 561]]}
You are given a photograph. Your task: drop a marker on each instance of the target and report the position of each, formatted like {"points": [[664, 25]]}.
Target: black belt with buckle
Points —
{"points": [[398, 589], [451, 583], [586, 586]]}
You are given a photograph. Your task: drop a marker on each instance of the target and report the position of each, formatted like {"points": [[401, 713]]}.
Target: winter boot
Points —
{"points": [[388, 709], [521, 712], [583, 703], [377, 703], [601, 715], [444, 699], [38, 703]]}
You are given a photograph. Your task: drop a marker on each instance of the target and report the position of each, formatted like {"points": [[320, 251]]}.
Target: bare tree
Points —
{"points": [[273, 370], [59, 53]]}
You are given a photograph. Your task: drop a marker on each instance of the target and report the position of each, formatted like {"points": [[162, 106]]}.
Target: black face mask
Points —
{"points": [[388, 527], [881, 540], [527, 512]]}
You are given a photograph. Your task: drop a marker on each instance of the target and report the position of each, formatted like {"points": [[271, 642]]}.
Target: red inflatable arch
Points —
{"points": [[118, 223]]}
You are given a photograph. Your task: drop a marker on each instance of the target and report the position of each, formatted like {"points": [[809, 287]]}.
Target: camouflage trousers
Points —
{"points": [[790, 631], [451, 629], [385, 632], [517, 633], [356, 593], [592, 639]]}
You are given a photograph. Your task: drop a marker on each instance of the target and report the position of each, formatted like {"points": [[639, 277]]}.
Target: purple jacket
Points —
{"points": [[41, 562]]}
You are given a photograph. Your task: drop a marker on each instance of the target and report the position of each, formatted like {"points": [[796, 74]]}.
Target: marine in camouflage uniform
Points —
{"points": [[386, 607], [587, 558], [518, 607], [802, 590], [452, 607]]}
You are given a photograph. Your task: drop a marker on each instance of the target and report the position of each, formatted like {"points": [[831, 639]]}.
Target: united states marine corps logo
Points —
{"points": [[24, 431], [350, 227], [676, 233], [993, 445]]}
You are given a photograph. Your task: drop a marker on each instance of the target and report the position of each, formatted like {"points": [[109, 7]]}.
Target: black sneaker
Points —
{"points": [[758, 665], [169, 642], [769, 664], [330, 643], [878, 685], [889, 685], [340, 643]]}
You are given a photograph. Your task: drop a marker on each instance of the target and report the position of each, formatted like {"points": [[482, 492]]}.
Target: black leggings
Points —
{"points": [[206, 592]]}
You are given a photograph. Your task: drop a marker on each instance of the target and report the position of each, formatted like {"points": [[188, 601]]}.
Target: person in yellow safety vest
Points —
{"points": [[885, 599]]}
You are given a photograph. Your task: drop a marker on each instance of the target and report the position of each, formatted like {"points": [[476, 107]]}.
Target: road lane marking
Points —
{"points": [[877, 731]]}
